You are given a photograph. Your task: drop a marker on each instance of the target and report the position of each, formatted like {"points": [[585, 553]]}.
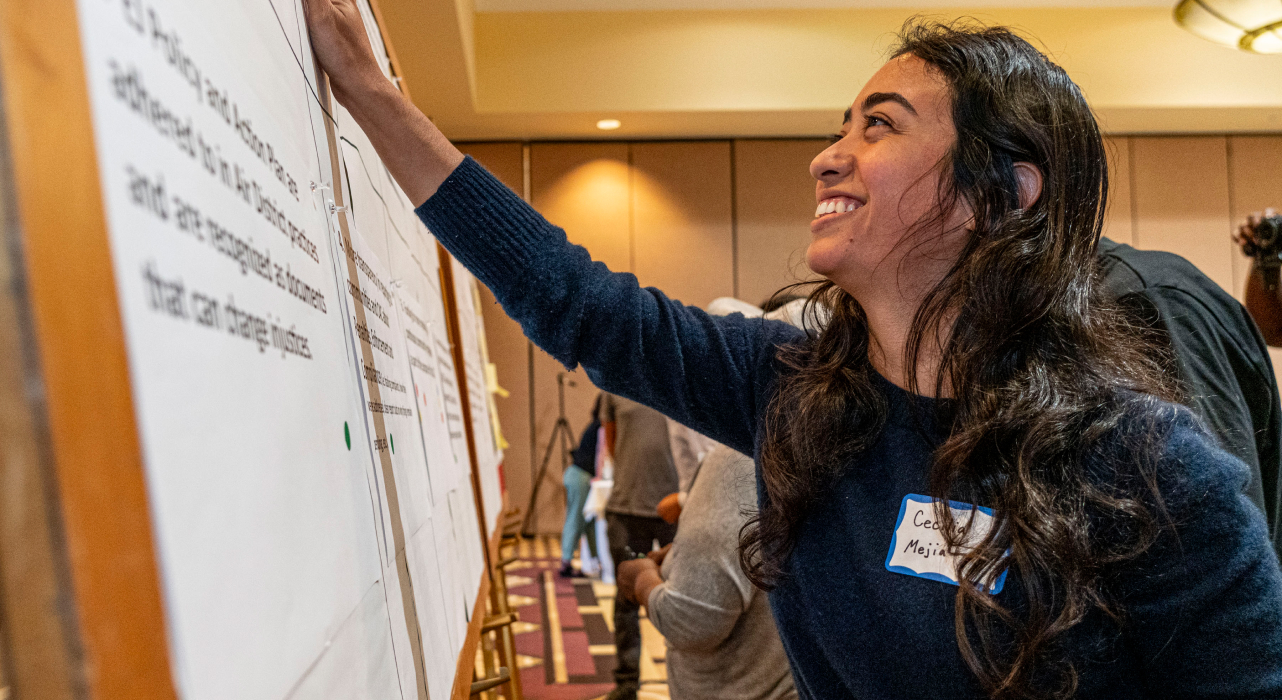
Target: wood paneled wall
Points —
{"points": [[774, 202], [702, 219]]}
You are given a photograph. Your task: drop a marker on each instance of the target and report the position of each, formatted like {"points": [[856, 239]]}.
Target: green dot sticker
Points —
{"points": [[392, 439], [347, 436]]}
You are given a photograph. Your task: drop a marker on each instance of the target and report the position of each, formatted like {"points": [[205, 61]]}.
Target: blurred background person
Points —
{"points": [[636, 438], [578, 482], [1217, 352]]}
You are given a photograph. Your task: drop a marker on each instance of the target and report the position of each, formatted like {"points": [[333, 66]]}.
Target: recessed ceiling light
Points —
{"points": [[608, 124]]}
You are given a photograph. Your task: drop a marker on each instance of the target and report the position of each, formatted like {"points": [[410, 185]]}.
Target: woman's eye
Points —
{"points": [[834, 138], [872, 120]]}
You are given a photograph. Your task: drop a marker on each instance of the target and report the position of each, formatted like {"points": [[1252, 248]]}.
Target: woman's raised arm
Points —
{"points": [[416, 153], [712, 374]]}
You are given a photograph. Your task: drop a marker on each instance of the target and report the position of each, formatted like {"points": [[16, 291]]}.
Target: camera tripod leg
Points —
{"points": [[561, 432]]}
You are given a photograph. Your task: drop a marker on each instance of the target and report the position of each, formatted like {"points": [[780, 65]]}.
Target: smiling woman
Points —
{"points": [[967, 273], [1091, 541]]}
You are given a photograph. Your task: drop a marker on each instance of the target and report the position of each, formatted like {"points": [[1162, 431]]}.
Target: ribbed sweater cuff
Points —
{"points": [[485, 225]]}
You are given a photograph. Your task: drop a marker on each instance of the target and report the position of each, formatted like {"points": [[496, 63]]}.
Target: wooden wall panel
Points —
{"points": [[509, 350], [1182, 200], [774, 202], [1255, 181], [682, 219], [579, 398], [506, 160], [583, 188], [1119, 225]]}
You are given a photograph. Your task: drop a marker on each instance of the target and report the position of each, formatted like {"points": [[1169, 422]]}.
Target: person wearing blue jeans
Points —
{"points": [[578, 482]]}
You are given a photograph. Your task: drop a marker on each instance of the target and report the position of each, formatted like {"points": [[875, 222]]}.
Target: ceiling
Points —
{"points": [[694, 73]]}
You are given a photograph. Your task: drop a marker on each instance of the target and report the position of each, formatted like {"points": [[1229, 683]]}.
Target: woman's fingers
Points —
{"points": [[341, 45]]}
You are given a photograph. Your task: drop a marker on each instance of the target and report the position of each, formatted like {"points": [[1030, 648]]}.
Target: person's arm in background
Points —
{"points": [[705, 592], [1265, 306], [670, 507]]}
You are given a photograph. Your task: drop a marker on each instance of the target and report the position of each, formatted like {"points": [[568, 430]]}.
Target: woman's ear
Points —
{"points": [[1029, 179]]}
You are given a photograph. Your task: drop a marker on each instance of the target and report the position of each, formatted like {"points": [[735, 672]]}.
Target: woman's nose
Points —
{"points": [[834, 163]]}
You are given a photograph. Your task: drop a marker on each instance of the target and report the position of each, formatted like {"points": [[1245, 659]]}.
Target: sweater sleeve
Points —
{"points": [[689, 624], [1204, 603], [710, 373]]}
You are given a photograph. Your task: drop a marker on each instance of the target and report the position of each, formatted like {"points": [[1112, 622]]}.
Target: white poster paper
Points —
{"points": [[488, 454], [215, 176]]}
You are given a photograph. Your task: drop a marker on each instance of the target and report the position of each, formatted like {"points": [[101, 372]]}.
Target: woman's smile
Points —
{"points": [[831, 208]]}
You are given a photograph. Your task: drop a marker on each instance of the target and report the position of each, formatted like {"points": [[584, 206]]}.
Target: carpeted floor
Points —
{"points": [[565, 639]]}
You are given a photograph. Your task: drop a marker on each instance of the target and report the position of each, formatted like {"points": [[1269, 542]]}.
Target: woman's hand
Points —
{"points": [[416, 153], [342, 46]]}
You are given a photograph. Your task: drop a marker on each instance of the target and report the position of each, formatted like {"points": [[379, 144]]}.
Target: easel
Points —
{"points": [[562, 434], [80, 591]]}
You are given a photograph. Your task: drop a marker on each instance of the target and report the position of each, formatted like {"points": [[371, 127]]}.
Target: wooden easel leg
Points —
{"points": [[506, 642]]}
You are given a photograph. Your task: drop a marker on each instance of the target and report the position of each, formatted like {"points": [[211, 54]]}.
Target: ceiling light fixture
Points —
{"points": [[608, 124], [1250, 25]]}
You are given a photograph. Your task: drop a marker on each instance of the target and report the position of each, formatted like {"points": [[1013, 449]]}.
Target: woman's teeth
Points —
{"points": [[836, 205]]}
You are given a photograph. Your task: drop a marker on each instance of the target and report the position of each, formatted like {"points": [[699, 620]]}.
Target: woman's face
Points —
{"points": [[882, 177]]}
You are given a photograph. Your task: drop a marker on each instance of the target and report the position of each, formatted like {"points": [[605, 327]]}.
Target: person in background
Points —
{"points": [[722, 640], [578, 482], [1265, 306], [689, 448], [636, 437], [1216, 351]]}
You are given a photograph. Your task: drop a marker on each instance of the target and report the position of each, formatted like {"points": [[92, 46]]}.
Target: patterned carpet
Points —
{"points": [[566, 648]]}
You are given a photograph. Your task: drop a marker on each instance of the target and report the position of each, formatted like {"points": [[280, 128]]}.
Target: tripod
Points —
{"points": [[560, 434]]}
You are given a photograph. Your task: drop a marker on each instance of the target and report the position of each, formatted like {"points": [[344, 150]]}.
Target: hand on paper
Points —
{"points": [[342, 47], [413, 149]]}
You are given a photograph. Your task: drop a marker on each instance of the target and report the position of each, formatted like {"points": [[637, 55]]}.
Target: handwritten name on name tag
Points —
{"points": [[918, 548]]}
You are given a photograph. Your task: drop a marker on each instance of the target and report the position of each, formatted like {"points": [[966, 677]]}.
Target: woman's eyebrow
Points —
{"points": [[877, 98]]}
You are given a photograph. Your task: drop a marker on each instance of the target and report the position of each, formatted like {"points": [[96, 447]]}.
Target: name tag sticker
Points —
{"points": [[918, 549]]}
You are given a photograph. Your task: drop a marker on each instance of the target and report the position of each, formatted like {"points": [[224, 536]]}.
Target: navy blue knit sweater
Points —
{"points": [[1203, 606]]}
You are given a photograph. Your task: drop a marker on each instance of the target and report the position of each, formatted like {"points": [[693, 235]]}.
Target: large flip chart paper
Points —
{"points": [[295, 393], [488, 452]]}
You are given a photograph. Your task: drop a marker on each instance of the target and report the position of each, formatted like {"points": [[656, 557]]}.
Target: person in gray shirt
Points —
{"points": [[721, 637], [644, 472]]}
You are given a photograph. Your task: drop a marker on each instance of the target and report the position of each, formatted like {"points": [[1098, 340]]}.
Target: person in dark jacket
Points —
{"points": [[1218, 353], [973, 482]]}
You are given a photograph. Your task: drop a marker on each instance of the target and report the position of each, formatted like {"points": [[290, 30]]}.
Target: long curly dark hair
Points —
{"points": [[1043, 372]]}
